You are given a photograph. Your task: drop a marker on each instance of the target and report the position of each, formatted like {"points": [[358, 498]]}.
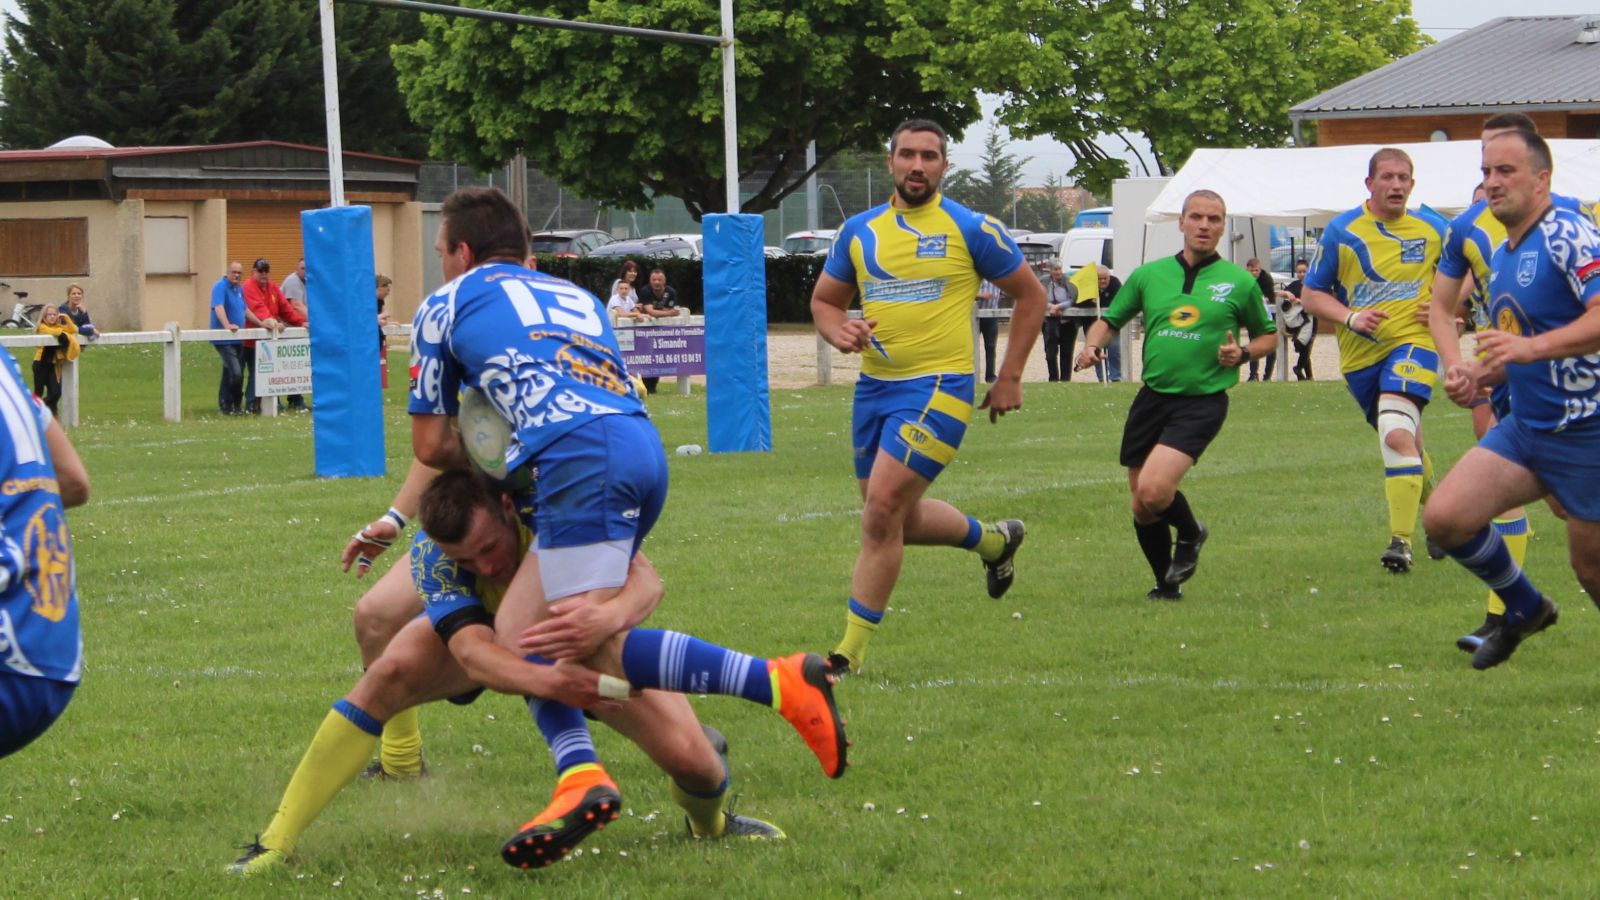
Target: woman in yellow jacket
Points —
{"points": [[47, 360]]}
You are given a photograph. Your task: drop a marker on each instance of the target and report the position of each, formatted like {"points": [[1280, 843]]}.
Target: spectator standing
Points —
{"points": [[988, 326], [1059, 296], [79, 314], [228, 312], [659, 300], [1298, 324], [294, 289], [1268, 292], [1110, 369], [47, 360], [272, 311]]}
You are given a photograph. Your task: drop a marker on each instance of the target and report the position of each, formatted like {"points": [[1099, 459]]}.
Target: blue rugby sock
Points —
{"points": [[563, 727], [1485, 555], [672, 661]]}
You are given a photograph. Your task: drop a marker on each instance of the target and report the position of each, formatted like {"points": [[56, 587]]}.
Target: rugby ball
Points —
{"points": [[485, 435]]}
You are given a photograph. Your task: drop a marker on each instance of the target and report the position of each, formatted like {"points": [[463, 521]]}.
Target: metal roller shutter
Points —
{"points": [[270, 230]]}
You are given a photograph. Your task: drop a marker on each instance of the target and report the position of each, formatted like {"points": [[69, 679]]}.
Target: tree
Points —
{"points": [[175, 72], [1181, 73], [1042, 209], [993, 187], [621, 120]]}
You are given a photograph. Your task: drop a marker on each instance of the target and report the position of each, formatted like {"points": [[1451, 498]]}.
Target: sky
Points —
{"points": [[1440, 19]]}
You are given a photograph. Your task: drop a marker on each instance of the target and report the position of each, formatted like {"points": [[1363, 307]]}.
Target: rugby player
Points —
{"points": [[542, 352], [1373, 268], [917, 262], [1195, 304], [41, 646], [1544, 301]]}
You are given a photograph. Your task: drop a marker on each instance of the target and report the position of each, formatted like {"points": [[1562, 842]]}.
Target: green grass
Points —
{"points": [[1299, 725]]}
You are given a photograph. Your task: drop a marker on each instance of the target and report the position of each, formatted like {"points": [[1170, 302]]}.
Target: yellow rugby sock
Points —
{"points": [[704, 810], [1404, 493], [401, 752], [859, 624], [338, 753], [991, 544], [1515, 532]]}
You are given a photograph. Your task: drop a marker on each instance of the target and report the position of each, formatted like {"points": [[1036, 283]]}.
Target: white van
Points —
{"points": [[1082, 246], [817, 242]]}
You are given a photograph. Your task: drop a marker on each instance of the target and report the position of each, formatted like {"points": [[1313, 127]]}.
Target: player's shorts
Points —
{"points": [[600, 489], [918, 421], [28, 707], [1409, 369], [1185, 423], [1566, 462]]}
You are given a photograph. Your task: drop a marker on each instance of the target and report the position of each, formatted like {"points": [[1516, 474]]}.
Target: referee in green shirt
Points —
{"points": [[1194, 304]]}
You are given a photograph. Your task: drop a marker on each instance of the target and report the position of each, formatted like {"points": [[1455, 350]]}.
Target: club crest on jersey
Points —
{"points": [[1413, 250], [1527, 267], [1184, 317], [1506, 320], [932, 246], [1220, 292]]}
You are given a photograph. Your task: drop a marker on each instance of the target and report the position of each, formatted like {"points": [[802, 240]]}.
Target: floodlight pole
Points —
{"points": [[330, 96]]}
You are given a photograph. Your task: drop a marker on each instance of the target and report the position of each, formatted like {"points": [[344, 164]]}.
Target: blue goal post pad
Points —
{"points": [[738, 408], [341, 299]]}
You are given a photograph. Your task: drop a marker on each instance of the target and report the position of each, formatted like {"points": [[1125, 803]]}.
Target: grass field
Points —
{"points": [[1300, 725]]}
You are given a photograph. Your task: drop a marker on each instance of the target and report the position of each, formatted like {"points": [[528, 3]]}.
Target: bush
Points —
{"points": [[789, 280]]}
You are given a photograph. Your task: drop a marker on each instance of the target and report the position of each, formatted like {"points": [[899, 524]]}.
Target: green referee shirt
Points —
{"points": [[1188, 313]]}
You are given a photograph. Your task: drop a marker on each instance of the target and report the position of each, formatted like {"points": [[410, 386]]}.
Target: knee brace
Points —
{"points": [[1397, 414]]}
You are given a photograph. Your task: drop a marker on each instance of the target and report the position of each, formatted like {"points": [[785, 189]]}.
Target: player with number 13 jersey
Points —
{"points": [[537, 347]]}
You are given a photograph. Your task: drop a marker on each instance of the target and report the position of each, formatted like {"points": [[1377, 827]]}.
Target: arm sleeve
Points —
{"points": [[1323, 273], [1580, 247], [994, 254], [445, 589], [1128, 301], [838, 263], [1453, 253], [1253, 315], [435, 381]]}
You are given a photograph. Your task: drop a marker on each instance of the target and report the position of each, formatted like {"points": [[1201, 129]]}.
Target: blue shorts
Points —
{"points": [[603, 481], [1567, 462], [28, 707], [1408, 369], [919, 421]]}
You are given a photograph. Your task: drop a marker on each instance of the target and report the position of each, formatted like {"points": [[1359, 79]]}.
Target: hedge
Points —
{"points": [[789, 280]]}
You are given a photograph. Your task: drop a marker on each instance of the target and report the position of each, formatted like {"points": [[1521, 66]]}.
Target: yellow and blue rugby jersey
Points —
{"points": [[1369, 263], [1474, 235], [918, 272], [445, 587]]}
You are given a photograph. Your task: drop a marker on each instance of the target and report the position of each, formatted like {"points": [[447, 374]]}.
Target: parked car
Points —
{"points": [[817, 242], [1053, 238], [647, 247], [1083, 246], [773, 252], [694, 239], [1039, 256], [573, 243]]}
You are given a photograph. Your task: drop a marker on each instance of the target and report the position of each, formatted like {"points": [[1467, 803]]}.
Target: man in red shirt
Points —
{"points": [[271, 310]]}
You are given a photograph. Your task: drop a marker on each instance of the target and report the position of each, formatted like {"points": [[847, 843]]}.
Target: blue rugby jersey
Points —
{"points": [[1541, 284], [539, 348], [39, 634]]}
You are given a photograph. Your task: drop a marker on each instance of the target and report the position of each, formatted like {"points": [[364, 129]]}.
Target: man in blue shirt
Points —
{"points": [[41, 647], [227, 312], [1544, 343]]}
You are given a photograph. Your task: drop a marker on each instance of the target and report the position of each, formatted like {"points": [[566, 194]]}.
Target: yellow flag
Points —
{"points": [[1087, 280]]}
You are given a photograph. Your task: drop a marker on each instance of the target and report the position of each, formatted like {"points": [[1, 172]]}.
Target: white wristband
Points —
{"points": [[396, 519], [1348, 320]]}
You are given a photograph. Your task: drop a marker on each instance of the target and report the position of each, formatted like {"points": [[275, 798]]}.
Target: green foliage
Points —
{"points": [[1298, 726], [180, 72], [789, 280], [993, 187], [621, 120], [1181, 73]]}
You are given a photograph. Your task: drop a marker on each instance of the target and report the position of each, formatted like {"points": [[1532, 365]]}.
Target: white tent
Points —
{"points": [[1310, 185]]}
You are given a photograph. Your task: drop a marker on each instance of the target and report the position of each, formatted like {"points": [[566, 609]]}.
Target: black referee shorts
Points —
{"points": [[1184, 423]]}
